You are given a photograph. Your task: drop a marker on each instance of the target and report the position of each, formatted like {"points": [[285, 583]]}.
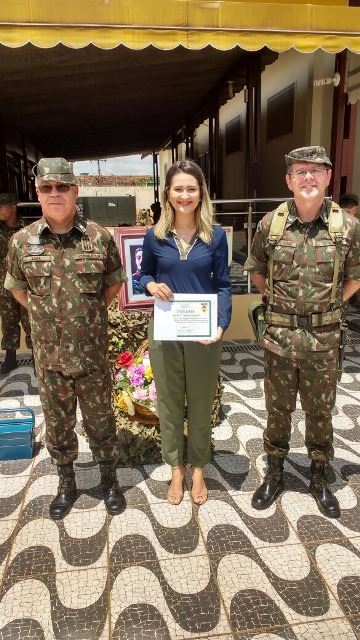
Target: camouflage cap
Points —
{"points": [[8, 198], [307, 154], [57, 169]]}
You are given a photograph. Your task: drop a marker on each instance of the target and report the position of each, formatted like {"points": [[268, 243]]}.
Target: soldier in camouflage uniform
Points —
{"points": [[66, 270], [302, 339], [11, 312], [350, 202]]}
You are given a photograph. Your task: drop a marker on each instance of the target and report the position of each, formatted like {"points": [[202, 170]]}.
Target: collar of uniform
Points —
{"points": [[78, 223], [324, 212], [292, 213], [40, 226]]}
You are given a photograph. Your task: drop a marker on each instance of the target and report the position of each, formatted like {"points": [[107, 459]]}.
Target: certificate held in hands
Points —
{"points": [[189, 316]]}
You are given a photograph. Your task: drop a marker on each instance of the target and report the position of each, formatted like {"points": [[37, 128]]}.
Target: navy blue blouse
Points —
{"points": [[205, 269]]}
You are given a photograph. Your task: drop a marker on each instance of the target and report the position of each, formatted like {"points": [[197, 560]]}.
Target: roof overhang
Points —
{"points": [[194, 24], [95, 103], [96, 78]]}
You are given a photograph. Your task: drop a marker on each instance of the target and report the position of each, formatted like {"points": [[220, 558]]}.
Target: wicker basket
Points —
{"points": [[144, 415], [141, 349]]}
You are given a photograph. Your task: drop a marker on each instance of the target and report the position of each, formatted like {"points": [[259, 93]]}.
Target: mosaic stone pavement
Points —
{"points": [[160, 572]]}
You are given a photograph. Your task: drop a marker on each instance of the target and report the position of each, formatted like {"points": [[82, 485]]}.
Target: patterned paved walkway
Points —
{"points": [[160, 572]]}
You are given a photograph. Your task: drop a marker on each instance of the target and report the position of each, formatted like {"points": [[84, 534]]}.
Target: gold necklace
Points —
{"points": [[187, 235]]}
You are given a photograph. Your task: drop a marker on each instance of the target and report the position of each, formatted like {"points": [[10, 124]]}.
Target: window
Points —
{"points": [[280, 113], [233, 136]]}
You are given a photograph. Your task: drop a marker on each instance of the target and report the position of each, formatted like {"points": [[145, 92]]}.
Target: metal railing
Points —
{"points": [[252, 209], [29, 205]]}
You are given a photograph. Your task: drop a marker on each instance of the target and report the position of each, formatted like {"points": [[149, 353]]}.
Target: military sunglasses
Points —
{"points": [[60, 188]]}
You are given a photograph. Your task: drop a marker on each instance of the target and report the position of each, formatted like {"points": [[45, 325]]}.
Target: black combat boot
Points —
{"points": [[272, 486], [66, 494], [328, 504], [113, 498], [10, 361]]}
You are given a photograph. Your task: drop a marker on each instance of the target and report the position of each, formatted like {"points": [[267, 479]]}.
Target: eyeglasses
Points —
{"points": [[301, 173], [60, 188]]}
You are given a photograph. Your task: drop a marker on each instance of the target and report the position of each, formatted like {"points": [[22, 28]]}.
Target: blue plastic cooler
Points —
{"points": [[17, 435]]}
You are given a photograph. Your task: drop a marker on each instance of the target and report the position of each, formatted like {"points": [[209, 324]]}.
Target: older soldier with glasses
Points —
{"points": [[66, 270], [305, 261]]}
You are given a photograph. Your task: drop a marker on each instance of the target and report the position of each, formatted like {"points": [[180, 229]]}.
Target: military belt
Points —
{"points": [[309, 321]]}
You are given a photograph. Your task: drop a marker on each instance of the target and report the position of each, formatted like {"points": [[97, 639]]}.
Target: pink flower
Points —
{"points": [[135, 369], [152, 391], [140, 394], [139, 369], [136, 380]]}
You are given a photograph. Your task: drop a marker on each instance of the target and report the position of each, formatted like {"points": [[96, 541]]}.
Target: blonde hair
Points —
{"points": [[204, 211]]}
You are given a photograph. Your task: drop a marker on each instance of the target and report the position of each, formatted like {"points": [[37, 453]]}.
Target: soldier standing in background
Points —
{"points": [[11, 312], [350, 202], [66, 270], [305, 260]]}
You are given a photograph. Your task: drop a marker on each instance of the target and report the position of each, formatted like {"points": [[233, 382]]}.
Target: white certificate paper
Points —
{"points": [[189, 316]]}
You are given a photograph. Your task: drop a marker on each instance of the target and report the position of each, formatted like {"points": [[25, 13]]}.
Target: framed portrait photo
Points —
{"points": [[229, 238], [129, 241]]}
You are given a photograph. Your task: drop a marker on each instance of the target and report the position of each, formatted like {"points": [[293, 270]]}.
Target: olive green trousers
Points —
{"points": [[185, 370]]}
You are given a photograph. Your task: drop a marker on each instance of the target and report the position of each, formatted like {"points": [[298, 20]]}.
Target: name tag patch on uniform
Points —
{"points": [[86, 244], [34, 246]]}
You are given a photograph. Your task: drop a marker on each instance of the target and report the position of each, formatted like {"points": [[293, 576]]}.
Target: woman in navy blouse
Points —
{"points": [[185, 253]]}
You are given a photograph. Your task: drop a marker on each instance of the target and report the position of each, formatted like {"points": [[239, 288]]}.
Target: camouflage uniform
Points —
{"points": [[66, 278], [350, 202], [303, 359], [11, 312]]}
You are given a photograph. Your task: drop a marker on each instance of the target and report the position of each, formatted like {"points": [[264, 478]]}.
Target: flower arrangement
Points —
{"points": [[134, 384]]}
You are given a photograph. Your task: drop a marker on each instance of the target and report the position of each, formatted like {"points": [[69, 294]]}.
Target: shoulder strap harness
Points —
{"points": [[336, 233]]}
